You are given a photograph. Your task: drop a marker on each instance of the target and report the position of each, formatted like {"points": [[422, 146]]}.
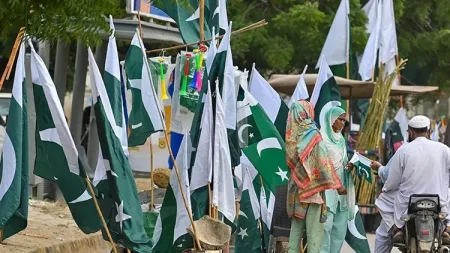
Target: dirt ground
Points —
{"points": [[50, 224]]}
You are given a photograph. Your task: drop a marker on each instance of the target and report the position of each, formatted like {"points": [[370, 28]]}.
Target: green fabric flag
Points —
{"points": [[126, 222], [145, 116], [187, 15], [248, 237], [356, 235], [326, 92], [14, 162], [56, 154], [170, 234], [261, 142], [362, 165], [270, 101]]}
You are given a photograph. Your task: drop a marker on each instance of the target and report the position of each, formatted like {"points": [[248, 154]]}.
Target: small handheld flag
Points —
{"points": [[362, 163], [194, 79]]}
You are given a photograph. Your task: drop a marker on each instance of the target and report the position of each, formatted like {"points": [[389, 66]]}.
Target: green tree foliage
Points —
{"points": [[59, 19], [297, 30]]}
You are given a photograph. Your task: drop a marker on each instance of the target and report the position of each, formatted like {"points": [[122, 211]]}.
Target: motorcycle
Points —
{"points": [[424, 224]]}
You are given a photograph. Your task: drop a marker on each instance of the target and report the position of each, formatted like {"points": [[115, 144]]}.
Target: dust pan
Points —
{"points": [[212, 234]]}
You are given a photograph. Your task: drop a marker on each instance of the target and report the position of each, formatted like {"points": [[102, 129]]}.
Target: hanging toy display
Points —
{"points": [[163, 81], [203, 49], [185, 76], [197, 70]]}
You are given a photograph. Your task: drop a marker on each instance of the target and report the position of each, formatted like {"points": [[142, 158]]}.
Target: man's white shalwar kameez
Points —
{"points": [[419, 167]]}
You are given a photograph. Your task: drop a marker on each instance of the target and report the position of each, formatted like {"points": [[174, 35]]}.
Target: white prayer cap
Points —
{"points": [[419, 121]]}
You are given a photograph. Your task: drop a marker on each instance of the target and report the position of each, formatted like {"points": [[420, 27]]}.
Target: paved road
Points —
{"points": [[371, 237]]}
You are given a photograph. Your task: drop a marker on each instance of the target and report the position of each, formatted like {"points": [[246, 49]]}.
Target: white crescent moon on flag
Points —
{"points": [[9, 166], [242, 214], [366, 174], [194, 16], [241, 129], [268, 143], [352, 227]]}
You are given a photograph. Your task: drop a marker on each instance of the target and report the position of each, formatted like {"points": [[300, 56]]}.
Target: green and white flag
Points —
{"points": [[113, 86], [301, 91], [201, 173], [187, 16], [337, 45], [223, 197], [56, 154], [267, 207], [126, 222], [145, 116], [222, 69], [170, 234], [14, 161], [261, 142], [326, 92], [270, 101], [356, 234], [248, 237], [362, 165]]}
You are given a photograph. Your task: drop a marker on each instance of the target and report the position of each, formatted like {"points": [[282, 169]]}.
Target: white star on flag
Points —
{"points": [[282, 174], [251, 135], [242, 233], [121, 216]]}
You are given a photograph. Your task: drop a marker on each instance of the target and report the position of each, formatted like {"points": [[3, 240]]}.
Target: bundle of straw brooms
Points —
{"points": [[369, 137]]}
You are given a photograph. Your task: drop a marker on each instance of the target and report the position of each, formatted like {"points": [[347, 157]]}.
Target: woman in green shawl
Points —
{"points": [[341, 208], [311, 174]]}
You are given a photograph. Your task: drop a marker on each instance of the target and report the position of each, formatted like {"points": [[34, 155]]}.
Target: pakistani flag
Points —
{"points": [[114, 87], [126, 222], [14, 161], [223, 197], [187, 16], [301, 91], [362, 165], [248, 237], [399, 128], [201, 173], [56, 154], [145, 116], [356, 234], [170, 234], [267, 207], [270, 101], [222, 69], [337, 44], [326, 92], [261, 142]]}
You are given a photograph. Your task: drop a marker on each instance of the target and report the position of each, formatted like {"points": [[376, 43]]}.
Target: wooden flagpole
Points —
{"points": [[399, 80], [99, 211], [201, 4], [12, 57], [244, 29], [347, 74]]}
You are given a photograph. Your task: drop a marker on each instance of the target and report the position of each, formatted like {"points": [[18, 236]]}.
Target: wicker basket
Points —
{"points": [[161, 177], [212, 234]]}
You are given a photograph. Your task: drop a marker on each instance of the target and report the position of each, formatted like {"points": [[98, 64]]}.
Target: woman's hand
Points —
{"points": [[349, 166], [342, 190]]}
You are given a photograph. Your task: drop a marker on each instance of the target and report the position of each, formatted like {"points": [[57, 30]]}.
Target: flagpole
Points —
{"points": [[94, 198], [152, 187], [1, 235], [347, 67], [201, 4], [399, 81], [172, 157], [12, 57]]}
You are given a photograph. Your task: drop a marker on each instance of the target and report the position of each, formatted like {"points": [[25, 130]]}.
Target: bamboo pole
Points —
{"points": [[347, 74], [152, 182], [172, 157], [140, 25], [201, 4], [12, 57], [399, 80], [210, 207], [244, 29], [94, 198], [1, 235]]}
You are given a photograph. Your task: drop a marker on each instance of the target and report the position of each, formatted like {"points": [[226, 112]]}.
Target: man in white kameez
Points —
{"points": [[419, 167]]}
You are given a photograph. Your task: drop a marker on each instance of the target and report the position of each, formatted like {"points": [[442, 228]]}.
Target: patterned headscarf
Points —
{"points": [[306, 155]]}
